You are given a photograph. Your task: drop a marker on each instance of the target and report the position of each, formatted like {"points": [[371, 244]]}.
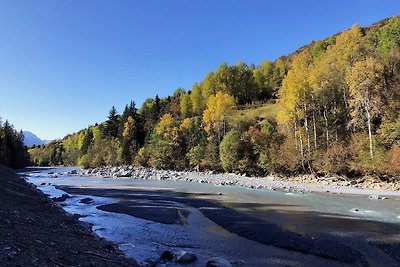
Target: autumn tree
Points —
{"points": [[295, 103], [198, 99], [214, 116], [164, 147], [262, 78], [185, 105], [130, 142], [366, 84]]}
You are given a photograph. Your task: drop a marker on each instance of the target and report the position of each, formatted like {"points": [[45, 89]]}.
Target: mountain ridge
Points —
{"points": [[31, 139]]}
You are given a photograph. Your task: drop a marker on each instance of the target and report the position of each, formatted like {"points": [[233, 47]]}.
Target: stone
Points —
{"points": [[218, 262], [125, 174], [86, 200], [62, 198], [186, 257], [167, 255], [377, 197]]}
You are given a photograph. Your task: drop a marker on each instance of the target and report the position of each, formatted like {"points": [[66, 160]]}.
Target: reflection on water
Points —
{"points": [[371, 227]]}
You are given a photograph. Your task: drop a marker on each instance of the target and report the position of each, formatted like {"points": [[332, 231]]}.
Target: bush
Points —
{"points": [[142, 157], [334, 160], [361, 160], [231, 151], [84, 162], [392, 166], [195, 155], [284, 156]]}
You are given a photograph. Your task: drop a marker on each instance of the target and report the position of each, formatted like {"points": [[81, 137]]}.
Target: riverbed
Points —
{"points": [[248, 227]]}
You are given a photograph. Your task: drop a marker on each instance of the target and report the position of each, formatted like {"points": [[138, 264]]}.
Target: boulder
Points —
{"points": [[186, 257], [218, 262], [167, 255], [62, 198]]}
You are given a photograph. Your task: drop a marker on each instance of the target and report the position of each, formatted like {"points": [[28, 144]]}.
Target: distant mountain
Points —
{"points": [[31, 139]]}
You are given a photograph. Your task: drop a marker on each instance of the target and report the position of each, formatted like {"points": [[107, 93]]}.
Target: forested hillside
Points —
{"points": [[331, 107]]}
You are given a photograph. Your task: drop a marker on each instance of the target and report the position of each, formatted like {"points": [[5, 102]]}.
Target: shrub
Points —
{"points": [[231, 151], [334, 160]]}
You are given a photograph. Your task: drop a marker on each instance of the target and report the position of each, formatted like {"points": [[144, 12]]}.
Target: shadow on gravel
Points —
{"points": [[164, 206]]}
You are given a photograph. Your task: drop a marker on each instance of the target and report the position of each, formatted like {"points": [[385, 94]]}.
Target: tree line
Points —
{"points": [[337, 103], [13, 153]]}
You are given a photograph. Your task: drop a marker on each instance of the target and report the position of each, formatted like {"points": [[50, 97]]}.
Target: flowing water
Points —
{"points": [[249, 227]]}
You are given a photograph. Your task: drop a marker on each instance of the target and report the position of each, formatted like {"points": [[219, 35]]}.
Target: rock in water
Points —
{"points": [[186, 257], [218, 262], [377, 197], [62, 198], [86, 200]]}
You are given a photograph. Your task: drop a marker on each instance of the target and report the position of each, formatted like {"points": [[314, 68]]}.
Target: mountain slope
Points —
{"points": [[31, 139]]}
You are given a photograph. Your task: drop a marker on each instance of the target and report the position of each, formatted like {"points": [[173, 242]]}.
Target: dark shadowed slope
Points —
{"points": [[36, 232]]}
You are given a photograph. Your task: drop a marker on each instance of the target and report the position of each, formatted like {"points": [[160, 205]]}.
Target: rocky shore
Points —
{"points": [[304, 183]]}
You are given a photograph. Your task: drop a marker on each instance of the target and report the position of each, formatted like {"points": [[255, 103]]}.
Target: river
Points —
{"points": [[248, 227]]}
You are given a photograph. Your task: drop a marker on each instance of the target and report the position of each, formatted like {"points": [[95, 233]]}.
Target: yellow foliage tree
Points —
{"points": [[197, 99], [166, 127], [217, 109], [366, 83]]}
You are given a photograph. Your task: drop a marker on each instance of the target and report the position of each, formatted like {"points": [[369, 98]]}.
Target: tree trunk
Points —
{"points": [[326, 127], [370, 134], [315, 131], [335, 126], [295, 132], [302, 152], [307, 130]]}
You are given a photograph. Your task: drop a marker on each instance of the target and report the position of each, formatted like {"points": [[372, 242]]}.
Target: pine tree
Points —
{"points": [[111, 125]]}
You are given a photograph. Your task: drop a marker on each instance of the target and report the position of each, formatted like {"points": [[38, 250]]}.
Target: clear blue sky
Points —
{"points": [[63, 64]]}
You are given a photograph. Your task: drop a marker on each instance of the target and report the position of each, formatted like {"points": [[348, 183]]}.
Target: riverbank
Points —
{"points": [[368, 185], [34, 231]]}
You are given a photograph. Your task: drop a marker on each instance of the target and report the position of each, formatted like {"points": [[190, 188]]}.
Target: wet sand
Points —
{"points": [[332, 236]]}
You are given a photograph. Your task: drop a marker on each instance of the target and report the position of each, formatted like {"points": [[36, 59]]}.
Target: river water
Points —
{"points": [[249, 227]]}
